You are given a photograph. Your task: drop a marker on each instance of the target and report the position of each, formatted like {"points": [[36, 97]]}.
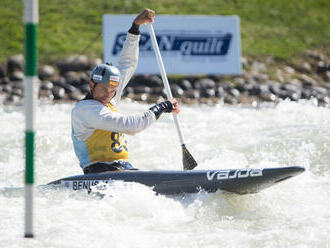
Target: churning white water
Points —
{"points": [[294, 213]]}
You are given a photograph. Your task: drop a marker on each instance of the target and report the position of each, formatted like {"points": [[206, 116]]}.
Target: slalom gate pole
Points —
{"points": [[31, 17]]}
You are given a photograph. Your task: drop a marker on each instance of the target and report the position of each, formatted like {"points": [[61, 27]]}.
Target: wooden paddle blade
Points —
{"points": [[189, 162]]}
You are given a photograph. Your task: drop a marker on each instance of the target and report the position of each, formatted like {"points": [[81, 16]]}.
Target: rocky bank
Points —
{"points": [[263, 80]]}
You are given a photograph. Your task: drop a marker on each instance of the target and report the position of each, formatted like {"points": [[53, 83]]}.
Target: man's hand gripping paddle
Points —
{"points": [[189, 162]]}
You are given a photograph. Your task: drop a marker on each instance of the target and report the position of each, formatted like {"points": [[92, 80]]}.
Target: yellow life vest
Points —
{"points": [[107, 146]]}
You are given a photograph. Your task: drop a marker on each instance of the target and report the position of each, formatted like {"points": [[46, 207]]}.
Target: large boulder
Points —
{"points": [[208, 92], [142, 89], [192, 94], [20, 85], [291, 91], [305, 67], [315, 55], [154, 81], [322, 67], [2, 72], [17, 92], [146, 80], [13, 99], [185, 84], [307, 80], [4, 81], [220, 92], [7, 88], [16, 76], [274, 87], [61, 82], [15, 63], [76, 95], [159, 91], [58, 92], [46, 94], [176, 90], [46, 85], [72, 78], [327, 76], [84, 78], [73, 63], [84, 88], [204, 83], [46, 72]]}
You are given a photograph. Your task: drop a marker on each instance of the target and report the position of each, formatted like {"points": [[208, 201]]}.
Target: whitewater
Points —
{"points": [[294, 213]]}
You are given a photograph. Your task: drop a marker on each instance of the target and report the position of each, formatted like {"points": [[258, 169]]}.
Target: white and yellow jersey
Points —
{"points": [[98, 131]]}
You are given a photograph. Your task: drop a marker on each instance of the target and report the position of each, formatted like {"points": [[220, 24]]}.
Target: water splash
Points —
{"points": [[295, 213]]}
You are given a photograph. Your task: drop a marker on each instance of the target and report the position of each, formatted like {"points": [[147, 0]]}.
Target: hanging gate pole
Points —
{"points": [[31, 17]]}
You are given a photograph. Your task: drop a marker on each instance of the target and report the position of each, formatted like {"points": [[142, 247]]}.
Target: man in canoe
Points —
{"points": [[98, 130]]}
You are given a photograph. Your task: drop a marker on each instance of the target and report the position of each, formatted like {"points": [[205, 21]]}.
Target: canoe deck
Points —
{"points": [[240, 181]]}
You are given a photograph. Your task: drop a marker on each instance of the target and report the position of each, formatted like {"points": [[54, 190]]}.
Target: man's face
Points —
{"points": [[103, 92]]}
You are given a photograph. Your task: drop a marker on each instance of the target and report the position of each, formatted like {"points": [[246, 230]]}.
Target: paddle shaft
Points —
{"points": [[165, 80]]}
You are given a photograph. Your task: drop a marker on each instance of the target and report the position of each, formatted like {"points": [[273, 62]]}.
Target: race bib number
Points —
{"points": [[119, 142]]}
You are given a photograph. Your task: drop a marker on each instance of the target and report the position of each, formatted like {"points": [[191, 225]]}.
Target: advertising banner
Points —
{"points": [[188, 44]]}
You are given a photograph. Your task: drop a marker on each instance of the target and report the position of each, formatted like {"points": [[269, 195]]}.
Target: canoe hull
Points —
{"points": [[240, 181]]}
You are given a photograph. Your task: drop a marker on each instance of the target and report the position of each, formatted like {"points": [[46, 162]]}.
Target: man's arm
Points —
{"points": [[90, 115], [130, 53]]}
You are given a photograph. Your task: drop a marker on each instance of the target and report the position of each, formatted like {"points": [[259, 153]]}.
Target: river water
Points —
{"points": [[294, 213]]}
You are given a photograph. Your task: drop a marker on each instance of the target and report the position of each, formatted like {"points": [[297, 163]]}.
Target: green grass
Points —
{"points": [[279, 28]]}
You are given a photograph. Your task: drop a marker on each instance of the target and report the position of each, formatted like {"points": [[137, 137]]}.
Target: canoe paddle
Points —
{"points": [[189, 162]]}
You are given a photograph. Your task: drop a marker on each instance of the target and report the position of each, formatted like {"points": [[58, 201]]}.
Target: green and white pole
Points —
{"points": [[31, 17]]}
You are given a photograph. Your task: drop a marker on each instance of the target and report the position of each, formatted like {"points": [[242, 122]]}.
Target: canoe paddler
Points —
{"points": [[98, 130]]}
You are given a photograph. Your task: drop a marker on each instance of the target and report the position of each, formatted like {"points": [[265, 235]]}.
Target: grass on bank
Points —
{"points": [[279, 28]]}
